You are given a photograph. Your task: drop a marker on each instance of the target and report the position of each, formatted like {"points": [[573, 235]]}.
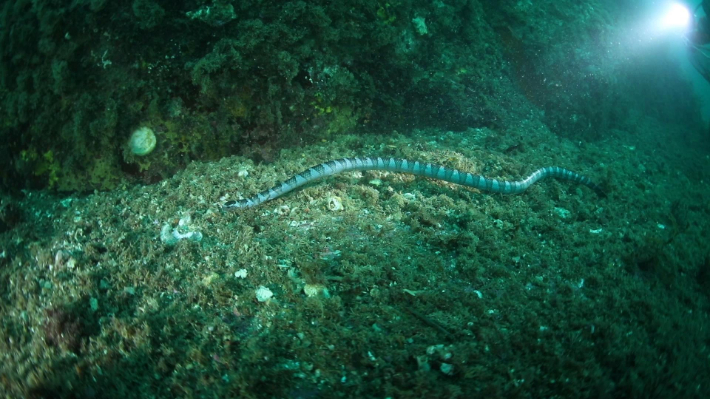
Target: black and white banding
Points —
{"points": [[416, 168]]}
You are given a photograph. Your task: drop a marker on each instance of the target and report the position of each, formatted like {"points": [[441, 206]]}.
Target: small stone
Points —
{"points": [[420, 25], [312, 290], [94, 304], [263, 294], [447, 368]]}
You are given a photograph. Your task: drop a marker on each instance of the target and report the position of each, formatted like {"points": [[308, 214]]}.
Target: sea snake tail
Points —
{"points": [[416, 168]]}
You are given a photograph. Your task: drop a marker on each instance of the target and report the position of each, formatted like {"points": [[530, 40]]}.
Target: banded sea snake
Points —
{"points": [[416, 168]]}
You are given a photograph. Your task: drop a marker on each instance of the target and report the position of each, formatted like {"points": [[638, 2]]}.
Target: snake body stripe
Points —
{"points": [[416, 168]]}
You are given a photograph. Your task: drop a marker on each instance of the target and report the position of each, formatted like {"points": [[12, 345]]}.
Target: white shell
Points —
{"points": [[335, 204]]}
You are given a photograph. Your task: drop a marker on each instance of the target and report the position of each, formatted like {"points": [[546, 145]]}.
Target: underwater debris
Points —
{"points": [[263, 294], [170, 236]]}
